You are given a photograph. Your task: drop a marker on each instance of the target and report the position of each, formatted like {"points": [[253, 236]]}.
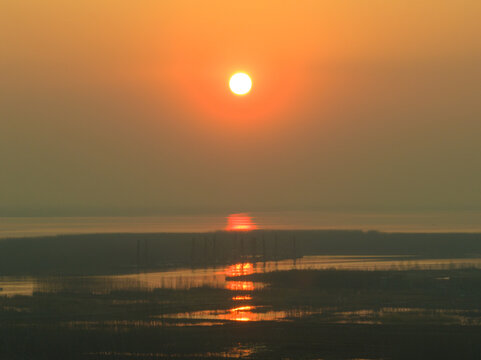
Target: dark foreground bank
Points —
{"points": [[329, 314]]}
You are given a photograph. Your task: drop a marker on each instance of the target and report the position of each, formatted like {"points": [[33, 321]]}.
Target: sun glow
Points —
{"points": [[240, 83]]}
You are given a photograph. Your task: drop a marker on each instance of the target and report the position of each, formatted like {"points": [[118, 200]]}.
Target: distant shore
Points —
{"points": [[111, 253], [422, 222]]}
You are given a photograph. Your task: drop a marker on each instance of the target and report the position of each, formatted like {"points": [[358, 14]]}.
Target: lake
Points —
{"points": [[467, 221]]}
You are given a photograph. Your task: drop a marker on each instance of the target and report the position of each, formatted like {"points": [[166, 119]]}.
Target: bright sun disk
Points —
{"points": [[240, 83]]}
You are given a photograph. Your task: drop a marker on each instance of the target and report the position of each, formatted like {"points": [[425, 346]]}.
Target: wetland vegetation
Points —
{"points": [[251, 302]]}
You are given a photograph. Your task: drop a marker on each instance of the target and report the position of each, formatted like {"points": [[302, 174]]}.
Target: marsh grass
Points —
{"points": [[331, 314]]}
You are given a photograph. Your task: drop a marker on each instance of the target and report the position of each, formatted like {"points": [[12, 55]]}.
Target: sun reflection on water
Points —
{"points": [[236, 270], [243, 312], [240, 222], [240, 285], [239, 269]]}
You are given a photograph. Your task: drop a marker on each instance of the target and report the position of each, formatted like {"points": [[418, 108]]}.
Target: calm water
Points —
{"points": [[235, 352], [242, 293], [402, 222], [218, 277]]}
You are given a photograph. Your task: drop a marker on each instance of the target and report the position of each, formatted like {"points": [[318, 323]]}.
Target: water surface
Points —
{"points": [[219, 277], [467, 221]]}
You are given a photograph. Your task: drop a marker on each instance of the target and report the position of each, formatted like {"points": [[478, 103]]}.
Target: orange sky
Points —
{"points": [[120, 107]]}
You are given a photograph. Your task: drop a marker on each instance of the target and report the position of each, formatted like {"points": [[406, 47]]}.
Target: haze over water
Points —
{"points": [[390, 222], [255, 179]]}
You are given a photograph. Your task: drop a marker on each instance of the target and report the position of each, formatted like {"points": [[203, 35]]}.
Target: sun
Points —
{"points": [[240, 83]]}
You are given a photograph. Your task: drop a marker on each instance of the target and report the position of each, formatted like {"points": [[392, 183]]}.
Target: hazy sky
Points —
{"points": [[123, 107]]}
